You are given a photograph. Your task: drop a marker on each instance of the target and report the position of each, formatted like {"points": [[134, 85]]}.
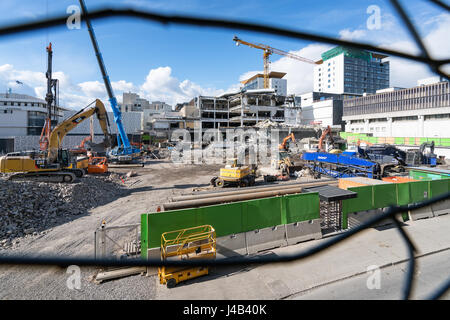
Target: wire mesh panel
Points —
{"points": [[118, 242], [330, 216]]}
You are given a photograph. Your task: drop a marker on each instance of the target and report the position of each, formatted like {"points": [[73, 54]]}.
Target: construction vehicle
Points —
{"points": [[234, 175], [284, 145], [97, 165], [383, 153], [186, 244], [124, 152], [55, 164], [267, 51], [325, 133], [420, 157], [81, 148]]}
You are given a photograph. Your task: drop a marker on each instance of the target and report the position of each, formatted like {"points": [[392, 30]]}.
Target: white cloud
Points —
{"points": [[161, 85], [405, 73], [158, 85], [347, 34]]}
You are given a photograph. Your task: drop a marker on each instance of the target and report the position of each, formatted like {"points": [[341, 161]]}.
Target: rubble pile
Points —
{"points": [[29, 208]]}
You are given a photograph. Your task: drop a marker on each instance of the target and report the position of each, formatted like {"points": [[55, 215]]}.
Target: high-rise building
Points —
{"points": [[349, 71]]}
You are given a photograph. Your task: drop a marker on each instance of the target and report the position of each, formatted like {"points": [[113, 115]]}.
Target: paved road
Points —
{"points": [[431, 272]]}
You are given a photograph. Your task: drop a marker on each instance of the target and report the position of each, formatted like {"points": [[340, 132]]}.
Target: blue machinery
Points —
{"points": [[124, 152], [341, 165]]}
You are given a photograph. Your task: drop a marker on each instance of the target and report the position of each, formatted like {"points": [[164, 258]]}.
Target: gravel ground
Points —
{"points": [[31, 208], [154, 184]]}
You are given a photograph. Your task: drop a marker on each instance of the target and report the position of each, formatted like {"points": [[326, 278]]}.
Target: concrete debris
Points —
{"points": [[272, 124], [31, 208], [305, 172]]}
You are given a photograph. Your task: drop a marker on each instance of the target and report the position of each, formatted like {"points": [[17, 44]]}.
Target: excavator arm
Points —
{"points": [[285, 141], [326, 132], [60, 131]]}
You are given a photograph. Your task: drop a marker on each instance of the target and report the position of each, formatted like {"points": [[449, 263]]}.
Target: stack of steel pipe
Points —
{"points": [[198, 200]]}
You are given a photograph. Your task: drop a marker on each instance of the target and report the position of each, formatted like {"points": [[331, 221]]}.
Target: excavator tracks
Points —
{"points": [[57, 177]]}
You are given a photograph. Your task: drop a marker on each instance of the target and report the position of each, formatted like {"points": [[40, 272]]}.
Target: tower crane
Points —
{"points": [[267, 51]]}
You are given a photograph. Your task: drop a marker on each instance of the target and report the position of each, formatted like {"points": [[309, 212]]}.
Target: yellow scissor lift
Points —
{"points": [[191, 243]]}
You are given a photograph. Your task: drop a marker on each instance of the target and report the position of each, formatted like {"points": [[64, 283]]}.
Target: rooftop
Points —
{"points": [[350, 52], [19, 97], [272, 74]]}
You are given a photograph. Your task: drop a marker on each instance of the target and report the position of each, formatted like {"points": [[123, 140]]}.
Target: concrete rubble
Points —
{"points": [[31, 208]]}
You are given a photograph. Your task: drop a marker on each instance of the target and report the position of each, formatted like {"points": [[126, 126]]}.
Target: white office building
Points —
{"points": [[24, 115], [421, 111], [349, 71]]}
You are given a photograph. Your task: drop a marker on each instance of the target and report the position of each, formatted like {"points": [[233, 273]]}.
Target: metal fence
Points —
{"points": [[423, 57], [117, 241]]}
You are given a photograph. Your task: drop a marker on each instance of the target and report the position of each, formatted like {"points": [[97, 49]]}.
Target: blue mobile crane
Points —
{"points": [[124, 152]]}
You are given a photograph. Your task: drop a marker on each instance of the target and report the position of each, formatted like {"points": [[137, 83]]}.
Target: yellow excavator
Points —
{"points": [[54, 164]]}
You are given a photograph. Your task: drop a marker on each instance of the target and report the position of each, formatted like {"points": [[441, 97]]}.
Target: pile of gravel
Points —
{"points": [[30, 208]]}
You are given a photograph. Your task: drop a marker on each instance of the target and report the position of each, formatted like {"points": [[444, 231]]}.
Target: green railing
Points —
{"points": [[353, 137]]}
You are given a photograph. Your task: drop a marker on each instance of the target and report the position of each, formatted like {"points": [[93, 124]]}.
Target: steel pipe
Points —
{"points": [[232, 198], [252, 190]]}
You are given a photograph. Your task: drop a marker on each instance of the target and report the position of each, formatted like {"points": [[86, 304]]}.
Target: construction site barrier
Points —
{"points": [[412, 141], [372, 200], [232, 218]]}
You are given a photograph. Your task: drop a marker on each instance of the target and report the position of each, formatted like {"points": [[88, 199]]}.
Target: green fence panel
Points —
{"points": [[144, 235], [419, 191], [262, 213], [161, 222], [403, 197], [445, 142], [403, 193], [426, 176], [226, 219], [364, 200], [399, 140], [384, 195], [438, 187], [302, 207]]}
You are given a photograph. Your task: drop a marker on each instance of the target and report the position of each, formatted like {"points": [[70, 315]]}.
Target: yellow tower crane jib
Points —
{"points": [[267, 51]]}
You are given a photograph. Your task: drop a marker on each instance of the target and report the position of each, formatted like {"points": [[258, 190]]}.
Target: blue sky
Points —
{"points": [[174, 63]]}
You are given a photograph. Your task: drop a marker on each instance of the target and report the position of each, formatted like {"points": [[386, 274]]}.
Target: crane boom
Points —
{"points": [[122, 137], [267, 51]]}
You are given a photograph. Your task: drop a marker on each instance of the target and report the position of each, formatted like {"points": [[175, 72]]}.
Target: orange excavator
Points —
{"points": [[363, 141], [283, 145], [325, 133]]}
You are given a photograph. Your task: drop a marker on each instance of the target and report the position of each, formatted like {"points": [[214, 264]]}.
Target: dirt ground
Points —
{"points": [[153, 185]]}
